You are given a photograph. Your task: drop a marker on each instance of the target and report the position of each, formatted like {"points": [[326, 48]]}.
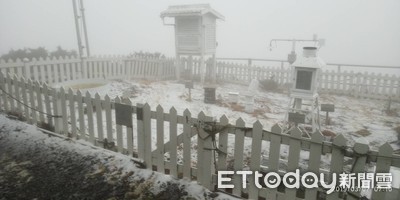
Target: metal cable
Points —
{"points": [[12, 97]]}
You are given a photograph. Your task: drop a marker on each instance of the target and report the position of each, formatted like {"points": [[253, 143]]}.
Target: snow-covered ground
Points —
{"points": [[27, 152], [355, 118]]}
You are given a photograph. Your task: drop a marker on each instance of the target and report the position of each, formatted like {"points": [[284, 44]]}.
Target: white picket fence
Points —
{"points": [[363, 85], [178, 144], [56, 70]]}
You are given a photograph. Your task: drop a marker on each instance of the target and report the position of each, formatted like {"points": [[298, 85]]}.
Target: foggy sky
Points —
{"points": [[356, 31]]}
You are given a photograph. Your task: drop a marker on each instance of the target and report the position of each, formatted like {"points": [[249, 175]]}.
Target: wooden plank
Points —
{"points": [[358, 166], [383, 166], [39, 99], [25, 98], [74, 75], [72, 108], [49, 70], [274, 156], [160, 139], [238, 153], [208, 165], [4, 95], [47, 94], [107, 108], [255, 158], [57, 110], [81, 116], [147, 136], [32, 101], [314, 161], [11, 92], [99, 117], [129, 132], [293, 159], [187, 162], [120, 145], [337, 162], [64, 111], [89, 113], [140, 131], [222, 145], [200, 145], [173, 142], [17, 93]]}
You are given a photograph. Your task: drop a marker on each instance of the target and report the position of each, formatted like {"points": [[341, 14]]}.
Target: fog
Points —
{"points": [[356, 31]]}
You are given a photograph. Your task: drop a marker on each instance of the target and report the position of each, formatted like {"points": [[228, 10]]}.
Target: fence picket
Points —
{"points": [[337, 161], [3, 92], [314, 161], [81, 115], [273, 159], [32, 101], [10, 92], [72, 108], [293, 158], [39, 100], [107, 108], [160, 139], [129, 132], [238, 156], [89, 113], [383, 166], [222, 144], [25, 98], [360, 160], [140, 131], [255, 158], [120, 144], [17, 85], [64, 111], [99, 117], [173, 142], [147, 136], [187, 161]]}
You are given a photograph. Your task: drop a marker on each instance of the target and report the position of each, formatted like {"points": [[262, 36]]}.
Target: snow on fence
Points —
{"points": [[357, 84], [186, 146]]}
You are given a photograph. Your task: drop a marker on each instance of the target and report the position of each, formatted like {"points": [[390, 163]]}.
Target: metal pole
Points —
{"points": [[78, 35], [84, 29]]}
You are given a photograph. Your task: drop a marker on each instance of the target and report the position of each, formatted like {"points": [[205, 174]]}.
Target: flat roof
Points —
{"points": [[190, 10]]}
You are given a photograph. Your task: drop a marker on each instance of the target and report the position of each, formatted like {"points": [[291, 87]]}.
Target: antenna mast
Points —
{"points": [[80, 20]]}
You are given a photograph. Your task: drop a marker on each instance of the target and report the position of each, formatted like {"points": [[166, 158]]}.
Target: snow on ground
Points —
{"points": [[355, 118], [18, 139]]}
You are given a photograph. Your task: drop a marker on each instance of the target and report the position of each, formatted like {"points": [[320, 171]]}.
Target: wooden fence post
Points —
{"points": [[360, 159], [173, 142], [255, 158], [274, 156], [160, 139], [57, 110], [383, 166], [238, 155], [27, 68], [293, 158], [337, 162], [314, 161]]}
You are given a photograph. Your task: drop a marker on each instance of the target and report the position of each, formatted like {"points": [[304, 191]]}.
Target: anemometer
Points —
{"points": [[292, 55]]}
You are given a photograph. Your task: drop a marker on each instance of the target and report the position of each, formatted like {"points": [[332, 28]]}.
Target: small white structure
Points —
{"points": [[195, 32], [304, 92]]}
